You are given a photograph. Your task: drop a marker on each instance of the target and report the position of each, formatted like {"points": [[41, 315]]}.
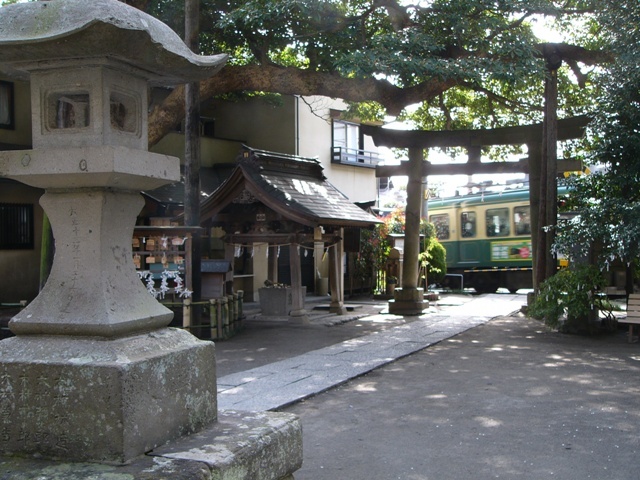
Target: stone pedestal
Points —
{"points": [[239, 446], [86, 399], [408, 301], [277, 301]]}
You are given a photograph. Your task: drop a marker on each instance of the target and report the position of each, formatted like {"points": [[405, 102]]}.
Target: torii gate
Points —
{"points": [[408, 299]]}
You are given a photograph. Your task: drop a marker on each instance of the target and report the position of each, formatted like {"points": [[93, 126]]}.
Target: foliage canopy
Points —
{"points": [[605, 205], [466, 63]]}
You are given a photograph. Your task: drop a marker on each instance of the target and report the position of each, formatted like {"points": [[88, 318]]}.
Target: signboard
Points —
{"points": [[507, 250]]}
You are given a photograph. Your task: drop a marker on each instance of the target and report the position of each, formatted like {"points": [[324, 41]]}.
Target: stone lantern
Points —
{"points": [[93, 373]]}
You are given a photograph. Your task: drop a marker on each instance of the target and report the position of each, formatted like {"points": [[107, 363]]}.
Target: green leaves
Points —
{"points": [[566, 299], [484, 49], [608, 203]]}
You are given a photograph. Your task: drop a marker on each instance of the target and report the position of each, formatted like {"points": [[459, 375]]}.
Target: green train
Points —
{"points": [[487, 237]]}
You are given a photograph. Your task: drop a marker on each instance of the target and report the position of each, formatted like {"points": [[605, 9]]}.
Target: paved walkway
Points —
{"points": [[282, 383]]}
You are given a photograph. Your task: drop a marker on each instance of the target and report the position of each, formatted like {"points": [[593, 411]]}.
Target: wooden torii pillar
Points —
{"points": [[472, 140], [409, 299]]}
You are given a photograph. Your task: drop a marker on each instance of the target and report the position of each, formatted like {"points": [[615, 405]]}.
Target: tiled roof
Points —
{"points": [[293, 186], [210, 180]]}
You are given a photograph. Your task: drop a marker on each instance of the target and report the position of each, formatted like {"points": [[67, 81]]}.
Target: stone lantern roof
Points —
{"points": [[33, 33]]}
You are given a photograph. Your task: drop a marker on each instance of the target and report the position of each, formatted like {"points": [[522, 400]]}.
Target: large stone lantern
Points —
{"points": [[93, 373], [89, 70]]}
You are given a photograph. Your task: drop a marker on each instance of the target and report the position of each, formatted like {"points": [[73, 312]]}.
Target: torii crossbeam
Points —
{"points": [[405, 301]]}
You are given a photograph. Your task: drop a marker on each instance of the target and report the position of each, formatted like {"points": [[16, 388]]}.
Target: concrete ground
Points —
{"points": [[507, 399], [478, 394]]}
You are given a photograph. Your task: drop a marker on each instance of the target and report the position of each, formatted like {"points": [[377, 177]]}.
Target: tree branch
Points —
{"points": [[295, 81], [292, 81]]}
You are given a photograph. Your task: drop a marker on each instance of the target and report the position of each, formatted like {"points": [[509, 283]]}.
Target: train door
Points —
{"points": [[469, 252]]}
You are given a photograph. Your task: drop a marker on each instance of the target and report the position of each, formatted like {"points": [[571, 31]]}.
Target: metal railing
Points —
{"points": [[354, 156]]}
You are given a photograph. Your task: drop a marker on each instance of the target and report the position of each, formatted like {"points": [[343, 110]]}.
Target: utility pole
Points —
{"points": [[192, 148]]}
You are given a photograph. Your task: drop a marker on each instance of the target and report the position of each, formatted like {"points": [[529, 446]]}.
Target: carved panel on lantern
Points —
{"points": [[124, 111], [67, 110]]}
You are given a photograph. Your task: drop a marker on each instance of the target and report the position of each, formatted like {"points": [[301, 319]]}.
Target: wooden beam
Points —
{"points": [[522, 166], [383, 137]]}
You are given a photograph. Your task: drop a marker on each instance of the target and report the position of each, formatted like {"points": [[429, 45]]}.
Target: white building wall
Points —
{"points": [[315, 140], [256, 122], [297, 126]]}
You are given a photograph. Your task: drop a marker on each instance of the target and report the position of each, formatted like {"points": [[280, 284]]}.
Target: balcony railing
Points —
{"points": [[354, 156]]}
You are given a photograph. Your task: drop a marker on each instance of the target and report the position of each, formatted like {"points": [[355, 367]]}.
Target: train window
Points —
{"points": [[441, 222], [522, 220], [468, 224], [498, 224]]}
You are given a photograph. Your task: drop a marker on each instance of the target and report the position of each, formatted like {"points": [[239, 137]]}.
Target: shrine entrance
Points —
{"points": [[472, 140]]}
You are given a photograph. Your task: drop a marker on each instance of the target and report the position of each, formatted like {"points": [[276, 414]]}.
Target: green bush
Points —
{"points": [[434, 259], [567, 301]]}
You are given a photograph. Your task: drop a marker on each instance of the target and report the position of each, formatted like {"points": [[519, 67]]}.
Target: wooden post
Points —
{"points": [[337, 302], [219, 319], [272, 273], [535, 166], [550, 155], [223, 320], [186, 314], [298, 313], [213, 319], [240, 306], [545, 265]]}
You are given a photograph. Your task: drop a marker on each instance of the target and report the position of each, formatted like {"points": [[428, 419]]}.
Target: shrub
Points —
{"points": [[567, 300], [434, 258]]}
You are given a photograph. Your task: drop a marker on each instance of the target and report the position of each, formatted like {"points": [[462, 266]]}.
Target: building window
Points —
{"points": [[346, 135], [498, 222], [16, 226], [441, 222], [207, 127], [7, 119], [348, 144]]}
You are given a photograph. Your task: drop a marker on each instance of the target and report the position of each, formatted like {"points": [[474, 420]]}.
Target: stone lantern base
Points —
{"points": [[89, 399], [239, 446], [143, 406], [408, 301]]}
